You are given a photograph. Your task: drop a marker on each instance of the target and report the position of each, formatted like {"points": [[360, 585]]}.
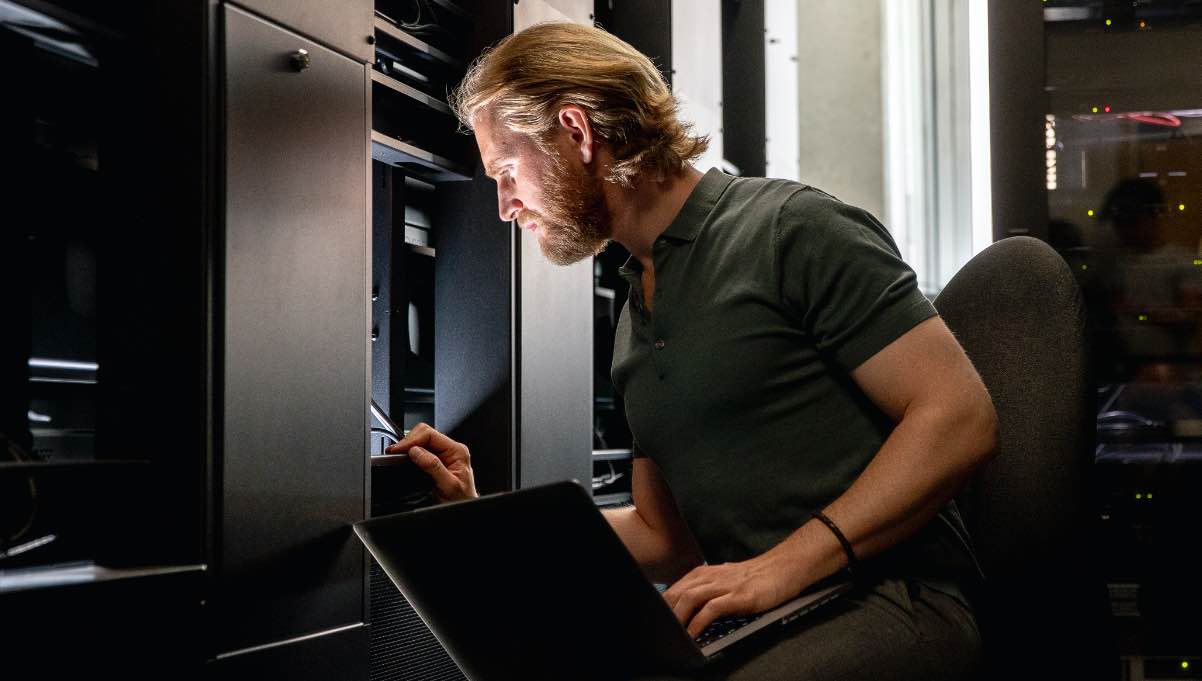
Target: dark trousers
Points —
{"points": [[892, 630]]}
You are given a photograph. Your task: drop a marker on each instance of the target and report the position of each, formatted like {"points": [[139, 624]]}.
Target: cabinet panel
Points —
{"points": [[342, 24], [339, 655], [555, 435], [295, 338]]}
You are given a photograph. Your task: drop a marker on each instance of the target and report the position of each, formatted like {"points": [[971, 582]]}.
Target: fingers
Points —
{"points": [[446, 461], [718, 607], [422, 435], [690, 602], [702, 596], [446, 482], [698, 607]]}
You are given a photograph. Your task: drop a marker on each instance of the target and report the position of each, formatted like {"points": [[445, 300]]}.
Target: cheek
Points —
{"points": [[538, 203]]}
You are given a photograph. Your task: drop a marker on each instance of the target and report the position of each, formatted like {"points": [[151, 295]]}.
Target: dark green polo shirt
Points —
{"points": [[768, 293]]}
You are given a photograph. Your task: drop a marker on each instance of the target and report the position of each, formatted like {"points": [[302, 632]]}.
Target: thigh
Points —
{"points": [[896, 630]]}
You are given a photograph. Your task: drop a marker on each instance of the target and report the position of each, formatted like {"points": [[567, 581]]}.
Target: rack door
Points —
{"points": [[293, 463]]}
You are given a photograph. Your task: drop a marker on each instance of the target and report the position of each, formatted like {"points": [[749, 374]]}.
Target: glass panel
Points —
{"points": [[1124, 178]]}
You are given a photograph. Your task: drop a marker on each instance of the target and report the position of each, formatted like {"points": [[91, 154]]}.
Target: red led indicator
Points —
{"points": [[1107, 109]]}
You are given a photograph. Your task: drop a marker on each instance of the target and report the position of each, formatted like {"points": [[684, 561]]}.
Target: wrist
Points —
{"points": [[810, 554], [789, 565]]}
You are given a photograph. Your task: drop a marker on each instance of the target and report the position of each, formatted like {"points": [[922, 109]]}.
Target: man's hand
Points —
{"points": [[448, 462], [709, 592]]}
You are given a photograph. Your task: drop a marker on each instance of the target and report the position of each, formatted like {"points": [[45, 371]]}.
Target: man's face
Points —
{"points": [[553, 195]]}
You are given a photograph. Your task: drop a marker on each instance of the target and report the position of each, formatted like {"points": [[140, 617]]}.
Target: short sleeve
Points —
{"points": [[842, 275]]}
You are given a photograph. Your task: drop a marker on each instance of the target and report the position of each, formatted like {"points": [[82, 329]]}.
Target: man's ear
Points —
{"points": [[575, 121]]}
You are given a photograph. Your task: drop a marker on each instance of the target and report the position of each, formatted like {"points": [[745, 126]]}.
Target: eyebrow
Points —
{"points": [[504, 151]]}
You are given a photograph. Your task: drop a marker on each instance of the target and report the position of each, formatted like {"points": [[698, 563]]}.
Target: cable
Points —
{"points": [[420, 25], [965, 543], [386, 433], [17, 454]]}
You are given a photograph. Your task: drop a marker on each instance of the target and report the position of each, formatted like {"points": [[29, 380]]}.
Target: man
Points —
{"points": [[798, 405]]}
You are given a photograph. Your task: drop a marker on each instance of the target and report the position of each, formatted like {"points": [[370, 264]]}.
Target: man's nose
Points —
{"points": [[508, 205]]}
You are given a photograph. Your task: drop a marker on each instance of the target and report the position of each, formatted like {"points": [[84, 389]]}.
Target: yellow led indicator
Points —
{"points": [[1139, 496], [1085, 267], [1197, 261], [1184, 664], [1089, 212], [1181, 206], [1143, 318], [1094, 110], [1149, 496], [1108, 22]]}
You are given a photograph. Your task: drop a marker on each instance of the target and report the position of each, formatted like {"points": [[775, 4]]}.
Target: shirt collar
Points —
{"points": [[688, 221]]}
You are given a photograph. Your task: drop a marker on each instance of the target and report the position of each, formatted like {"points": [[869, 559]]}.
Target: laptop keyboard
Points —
{"points": [[723, 627]]}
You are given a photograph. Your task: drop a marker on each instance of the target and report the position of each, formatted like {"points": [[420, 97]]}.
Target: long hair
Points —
{"points": [[522, 82]]}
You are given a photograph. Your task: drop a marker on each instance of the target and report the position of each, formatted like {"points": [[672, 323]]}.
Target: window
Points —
{"points": [[936, 106]]}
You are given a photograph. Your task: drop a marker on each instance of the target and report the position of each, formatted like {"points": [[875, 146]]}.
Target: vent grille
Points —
{"points": [[402, 648]]}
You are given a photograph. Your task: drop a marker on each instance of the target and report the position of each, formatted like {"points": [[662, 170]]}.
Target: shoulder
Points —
{"points": [[753, 206], [761, 193], [794, 205], [817, 219]]}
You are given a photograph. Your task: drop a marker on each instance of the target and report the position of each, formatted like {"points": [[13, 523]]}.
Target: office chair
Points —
{"points": [[1042, 610]]}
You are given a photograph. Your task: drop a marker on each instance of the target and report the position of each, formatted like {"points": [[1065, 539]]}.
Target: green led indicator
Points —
{"points": [[1149, 496], [1197, 261], [1184, 665], [1143, 318], [1094, 109], [1085, 267], [1109, 22], [1139, 496]]}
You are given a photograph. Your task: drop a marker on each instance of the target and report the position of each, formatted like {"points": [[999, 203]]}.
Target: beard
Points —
{"points": [[575, 221]]}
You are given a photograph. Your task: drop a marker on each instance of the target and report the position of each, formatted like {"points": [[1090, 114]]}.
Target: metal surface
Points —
{"points": [[1017, 107], [301, 60], [295, 353], [555, 368], [344, 25], [338, 654], [744, 115]]}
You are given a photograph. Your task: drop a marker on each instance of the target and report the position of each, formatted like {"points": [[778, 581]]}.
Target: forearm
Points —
{"points": [[662, 559], [927, 459]]}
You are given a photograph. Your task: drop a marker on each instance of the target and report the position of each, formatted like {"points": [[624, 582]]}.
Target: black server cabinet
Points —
{"points": [[103, 252], [344, 25], [293, 445]]}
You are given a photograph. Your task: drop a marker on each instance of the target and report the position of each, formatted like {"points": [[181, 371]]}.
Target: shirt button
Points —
{"points": [[659, 344]]}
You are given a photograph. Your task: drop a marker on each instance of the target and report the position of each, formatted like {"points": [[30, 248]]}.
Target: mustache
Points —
{"points": [[525, 217]]}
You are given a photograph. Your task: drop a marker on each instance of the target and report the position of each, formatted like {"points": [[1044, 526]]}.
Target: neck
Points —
{"points": [[641, 213]]}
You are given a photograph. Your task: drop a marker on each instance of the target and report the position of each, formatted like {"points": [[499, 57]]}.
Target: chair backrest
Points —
{"points": [[1017, 311]]}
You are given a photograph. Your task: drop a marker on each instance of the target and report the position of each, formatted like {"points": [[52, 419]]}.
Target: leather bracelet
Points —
{"points": [[851, 555]]}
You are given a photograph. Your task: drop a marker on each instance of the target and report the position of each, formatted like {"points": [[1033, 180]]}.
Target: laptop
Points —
{"points": [[534, 584]]}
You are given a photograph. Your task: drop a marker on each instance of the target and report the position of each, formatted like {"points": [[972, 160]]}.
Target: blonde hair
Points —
{"points": [[524, 80]]}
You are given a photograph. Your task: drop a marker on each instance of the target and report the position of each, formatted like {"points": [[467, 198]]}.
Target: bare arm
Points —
{"points": [[946, 428], [652, 529]]}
